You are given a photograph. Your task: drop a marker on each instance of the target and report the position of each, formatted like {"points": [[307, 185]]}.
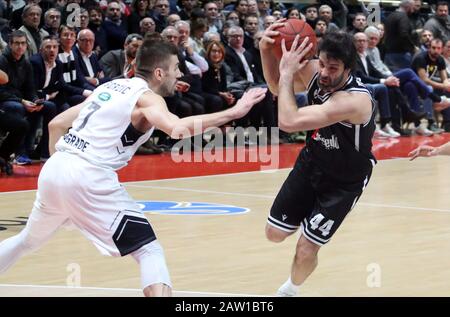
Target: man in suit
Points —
{"points": [[48, 73], [242, 65], [118, 62], [87, 59]]}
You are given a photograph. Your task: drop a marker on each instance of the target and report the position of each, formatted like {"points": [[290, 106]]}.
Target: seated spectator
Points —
{"points": [[161, 11], [446, 56], [95, 25], [214, 79], [15, 126], [87, 60], [48, 74], [118, 63], [311, 15], [326, 13], [268, 21], [251, 26], [77, 88], [430, 66], [172, 19], [292, 13], [243, 68], [186, 9], [31, 17], [115, 26], [439, 24], [84, 20], [233, 16], [198, 28], [19, 97], [385, 90], [147, 25], [411, 85], [212, 17], [425, 40], [241, 8], [140, 9], [359, 23], [52, 18]]}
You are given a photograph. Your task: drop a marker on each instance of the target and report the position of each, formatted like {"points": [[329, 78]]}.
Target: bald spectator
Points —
{"points": [[87, 59], [172, 19], [147, 25]]}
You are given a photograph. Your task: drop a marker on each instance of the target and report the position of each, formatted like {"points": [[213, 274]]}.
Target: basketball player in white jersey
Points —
{"points": [[428, 150], [335, 165], [79, 185]]}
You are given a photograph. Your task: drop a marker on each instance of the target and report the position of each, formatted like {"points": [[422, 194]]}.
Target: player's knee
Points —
{"points": [[306, 251], [275, 235], [27, 242], [154, 272]]}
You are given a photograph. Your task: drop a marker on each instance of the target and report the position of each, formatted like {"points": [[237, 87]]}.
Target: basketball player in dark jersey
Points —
{"points": [[334, 167]]}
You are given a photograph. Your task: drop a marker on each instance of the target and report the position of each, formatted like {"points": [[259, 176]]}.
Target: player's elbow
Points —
{"points": [[179, 132], [287, 125]]}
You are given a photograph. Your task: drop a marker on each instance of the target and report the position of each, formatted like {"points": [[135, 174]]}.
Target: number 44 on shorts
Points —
{"points": [[325, 228]]}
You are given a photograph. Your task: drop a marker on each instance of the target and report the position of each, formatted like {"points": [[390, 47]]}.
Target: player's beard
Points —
{"points": [[331, 84], [168, 89]]}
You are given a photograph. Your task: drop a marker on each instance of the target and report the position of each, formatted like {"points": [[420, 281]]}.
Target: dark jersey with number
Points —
{"points": [[342, 150]]}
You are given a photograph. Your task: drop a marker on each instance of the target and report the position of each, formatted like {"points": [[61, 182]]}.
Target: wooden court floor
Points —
{"points": [[396, 241]]}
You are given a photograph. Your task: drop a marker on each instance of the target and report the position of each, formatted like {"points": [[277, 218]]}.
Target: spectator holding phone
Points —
{"points": [[19, 97]]}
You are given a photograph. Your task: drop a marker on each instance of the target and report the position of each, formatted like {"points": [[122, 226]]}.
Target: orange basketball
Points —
{"points": [[289, 31]]}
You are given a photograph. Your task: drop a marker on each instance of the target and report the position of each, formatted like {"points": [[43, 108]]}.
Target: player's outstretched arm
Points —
{"points": [[427, 151], [156, 113], [60, 124]]}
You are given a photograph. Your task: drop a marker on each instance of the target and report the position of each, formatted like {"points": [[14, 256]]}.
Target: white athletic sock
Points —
{"points": [[288, 289]]}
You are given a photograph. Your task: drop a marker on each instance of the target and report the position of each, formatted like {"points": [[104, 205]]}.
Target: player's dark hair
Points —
{"points": [[339, 45], [154, 53]]}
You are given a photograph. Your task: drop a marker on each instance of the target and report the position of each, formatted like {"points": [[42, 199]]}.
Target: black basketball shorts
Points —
{"points": [[314, 202]]}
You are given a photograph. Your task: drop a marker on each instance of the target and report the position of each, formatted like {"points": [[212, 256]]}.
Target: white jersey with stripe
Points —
{"points": [[102, 133], [341, 150]]}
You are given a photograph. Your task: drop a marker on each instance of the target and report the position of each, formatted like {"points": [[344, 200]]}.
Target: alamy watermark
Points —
{"points": [[74, 277], [228, 145], [374, 278]]}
